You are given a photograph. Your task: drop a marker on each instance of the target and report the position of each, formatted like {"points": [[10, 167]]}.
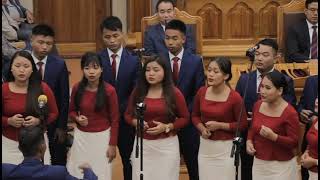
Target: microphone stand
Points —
{"points": [[238, 140], [140, 108]]}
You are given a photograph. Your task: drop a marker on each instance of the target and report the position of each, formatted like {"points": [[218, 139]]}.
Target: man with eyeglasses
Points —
{"points": [[302, 38], [153, 41]]}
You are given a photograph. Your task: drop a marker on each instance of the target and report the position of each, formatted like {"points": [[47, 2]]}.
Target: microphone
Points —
{"points": [[42, 100], [141, 106], [251, 51]]}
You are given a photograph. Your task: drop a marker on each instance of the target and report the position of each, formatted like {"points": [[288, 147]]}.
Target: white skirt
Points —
{"points": [[215, 161], [161, 159], [90, 147], [11, 153], [274, 170], [313, 175]]}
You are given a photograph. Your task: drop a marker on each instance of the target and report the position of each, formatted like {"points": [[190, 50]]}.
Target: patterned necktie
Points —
{"points": [[314, 44], [175, 70], [40, 68], [114, 66]]}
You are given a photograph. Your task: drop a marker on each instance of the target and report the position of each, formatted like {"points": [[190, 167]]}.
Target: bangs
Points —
{"points": [[94, 61]]}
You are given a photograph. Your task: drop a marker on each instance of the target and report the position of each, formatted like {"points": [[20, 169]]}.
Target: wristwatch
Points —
{"points": [[167, 128]]}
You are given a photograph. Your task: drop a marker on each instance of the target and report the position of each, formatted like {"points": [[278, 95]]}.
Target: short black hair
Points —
{"points": [[165, 1], [278, 80], [177, 25], [112, 23], [269, 42], [30, 138], [43, 29], [309, 2]]}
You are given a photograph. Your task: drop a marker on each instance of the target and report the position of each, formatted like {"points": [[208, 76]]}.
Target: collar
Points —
{"points": [[259, 73], [310, 25], [31, 159], [179, 55], [36, 60], [119, 53]]}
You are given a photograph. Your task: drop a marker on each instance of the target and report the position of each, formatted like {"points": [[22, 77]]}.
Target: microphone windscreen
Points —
{"points": [[42, 99]]}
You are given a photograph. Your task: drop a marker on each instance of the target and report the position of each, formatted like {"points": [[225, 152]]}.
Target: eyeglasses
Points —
{"points": [[313, 10]]}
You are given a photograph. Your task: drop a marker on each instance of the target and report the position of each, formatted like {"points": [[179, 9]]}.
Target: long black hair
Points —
{"points": [[87, 59], [142, 87], [34, 89]]}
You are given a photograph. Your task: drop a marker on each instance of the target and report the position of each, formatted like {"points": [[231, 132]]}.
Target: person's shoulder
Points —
{"points": [[108, 87], [235, 95], [290, 110], [45, 86], [194, 57]]}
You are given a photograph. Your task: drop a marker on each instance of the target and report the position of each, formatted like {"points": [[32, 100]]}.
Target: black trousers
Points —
{"points": [[246, 159], [125, 145], [189, 140], [58, 151]]}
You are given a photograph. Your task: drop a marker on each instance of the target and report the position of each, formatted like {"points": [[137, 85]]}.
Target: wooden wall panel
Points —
{"points": [[74, 21], [212, 21], [136, 10], [240, 22]]}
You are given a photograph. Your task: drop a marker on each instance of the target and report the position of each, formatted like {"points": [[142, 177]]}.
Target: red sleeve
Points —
{"points": [[237, 105], [196, 114], [290, 140], [72, 109], [254, 110], [4, 118], [52, 104], [128, 115], [182, 118], [113, 110]]}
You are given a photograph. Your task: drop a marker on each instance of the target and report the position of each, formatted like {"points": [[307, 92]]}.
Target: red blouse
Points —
{"points": [[221, 111], [312, 138], [287, 128], [98, 121], [14, 103], [156, 111]]}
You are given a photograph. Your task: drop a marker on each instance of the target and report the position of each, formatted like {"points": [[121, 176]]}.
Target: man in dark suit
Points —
{"points": [[306, 109], [154, 35], [302, 38], [265, 58], [33, 146], [120, 69], [55, 73], [188, 76]]}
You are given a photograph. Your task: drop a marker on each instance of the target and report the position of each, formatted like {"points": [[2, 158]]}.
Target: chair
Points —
{"points": [[287, 15], [195, 21]]}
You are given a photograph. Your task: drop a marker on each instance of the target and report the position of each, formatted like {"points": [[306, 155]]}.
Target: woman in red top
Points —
{"points": [[20, 107], [309, 159], [94, 107], [273, 135], [166, 112], [215, 114]]}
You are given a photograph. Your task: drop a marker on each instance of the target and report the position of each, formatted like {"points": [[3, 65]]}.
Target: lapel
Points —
{"points": [[306, 36], [46, 73], [121, 70], [183, 67], [160, 32], [253, 84], [107, 67]]}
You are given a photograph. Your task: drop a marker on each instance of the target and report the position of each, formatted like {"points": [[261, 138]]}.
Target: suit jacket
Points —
{"points": [[56, 75], [126, 79], [298, 42], [191, 76], [309, 94], [252, 97], [34, 169], [154, 40]]}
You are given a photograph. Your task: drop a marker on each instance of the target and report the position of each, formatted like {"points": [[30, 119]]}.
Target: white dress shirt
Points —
{"points": [[44, 60], [118, 58], [311, 32], [171, 56]]}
